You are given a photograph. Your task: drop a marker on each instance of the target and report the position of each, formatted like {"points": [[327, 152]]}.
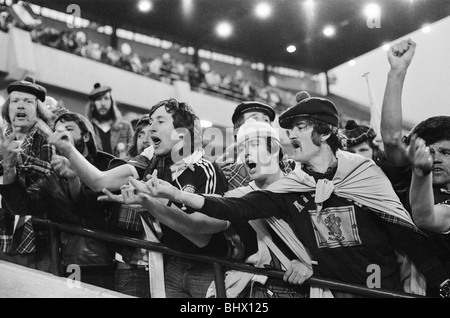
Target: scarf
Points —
{"points": [[361, 180], [358, 179], [162, 165]]}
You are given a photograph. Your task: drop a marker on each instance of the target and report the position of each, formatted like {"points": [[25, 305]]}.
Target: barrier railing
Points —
{"points": [[218, 263]]}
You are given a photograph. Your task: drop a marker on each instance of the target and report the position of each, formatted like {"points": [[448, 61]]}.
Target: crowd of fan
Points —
{"points": [[165, 68], [341, 206]]}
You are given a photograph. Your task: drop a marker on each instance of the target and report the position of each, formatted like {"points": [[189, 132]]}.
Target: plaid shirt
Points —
{"points": [[33, 162]]}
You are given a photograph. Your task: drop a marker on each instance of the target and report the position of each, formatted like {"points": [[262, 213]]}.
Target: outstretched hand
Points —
{"points": [[401, 54], [128, 195], [160, 188]]}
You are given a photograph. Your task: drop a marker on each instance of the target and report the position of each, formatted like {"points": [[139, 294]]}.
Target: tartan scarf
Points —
{"points": [[162, 164]]}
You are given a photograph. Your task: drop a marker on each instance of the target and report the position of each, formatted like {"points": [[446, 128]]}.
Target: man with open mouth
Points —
{"points": [[234, 170], [27, 126], [178, 159], [341, 207]]}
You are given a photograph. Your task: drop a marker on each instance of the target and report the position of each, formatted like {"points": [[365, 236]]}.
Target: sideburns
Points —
{"points": [[316, 138]]}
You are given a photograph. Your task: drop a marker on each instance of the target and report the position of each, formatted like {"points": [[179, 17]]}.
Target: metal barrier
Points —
{"points": [[218, 263]]}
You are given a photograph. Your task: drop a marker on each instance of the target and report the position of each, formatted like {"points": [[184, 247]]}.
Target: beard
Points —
{"points": [[102, 118]]}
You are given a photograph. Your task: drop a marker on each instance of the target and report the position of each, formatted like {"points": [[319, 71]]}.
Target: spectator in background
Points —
{"points": [[360, 140], [112, 134]]}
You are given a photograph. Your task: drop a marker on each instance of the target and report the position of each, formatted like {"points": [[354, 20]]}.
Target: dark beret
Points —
{"points": [[28, 85], [310, 107], [98, 91], [252, 106]]}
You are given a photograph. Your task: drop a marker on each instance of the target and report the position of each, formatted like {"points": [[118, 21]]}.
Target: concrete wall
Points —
{"points": [[22, 282]]}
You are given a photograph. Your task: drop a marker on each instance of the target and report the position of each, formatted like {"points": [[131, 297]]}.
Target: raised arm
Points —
{"points": [[426, 215], [399, 57], [196, 227], [172, 216], [255, 205], [94, 178]]}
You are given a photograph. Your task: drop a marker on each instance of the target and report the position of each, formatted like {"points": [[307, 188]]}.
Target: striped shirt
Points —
{"points": [[206, 178]]}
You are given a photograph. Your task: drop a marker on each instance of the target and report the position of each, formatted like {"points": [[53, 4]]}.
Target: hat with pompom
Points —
{"points": [[28, 85], [98, 91], [357, 134], [310, 107]]}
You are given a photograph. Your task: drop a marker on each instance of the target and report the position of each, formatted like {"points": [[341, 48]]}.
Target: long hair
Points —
{"points": [[40, 111], [114, 113], [132, 147], [85, 127]]}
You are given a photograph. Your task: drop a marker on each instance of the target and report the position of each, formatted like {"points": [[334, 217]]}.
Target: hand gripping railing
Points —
{"points": [[218, 263]]}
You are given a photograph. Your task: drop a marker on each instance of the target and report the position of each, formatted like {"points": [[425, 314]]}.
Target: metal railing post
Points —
{"points": [[54, 250], [219, 280]]}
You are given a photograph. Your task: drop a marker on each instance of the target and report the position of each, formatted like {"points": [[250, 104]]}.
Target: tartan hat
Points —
{"points": [[98, 91], [357, 134], [28, 85], [310, 107], [252, 106]]}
